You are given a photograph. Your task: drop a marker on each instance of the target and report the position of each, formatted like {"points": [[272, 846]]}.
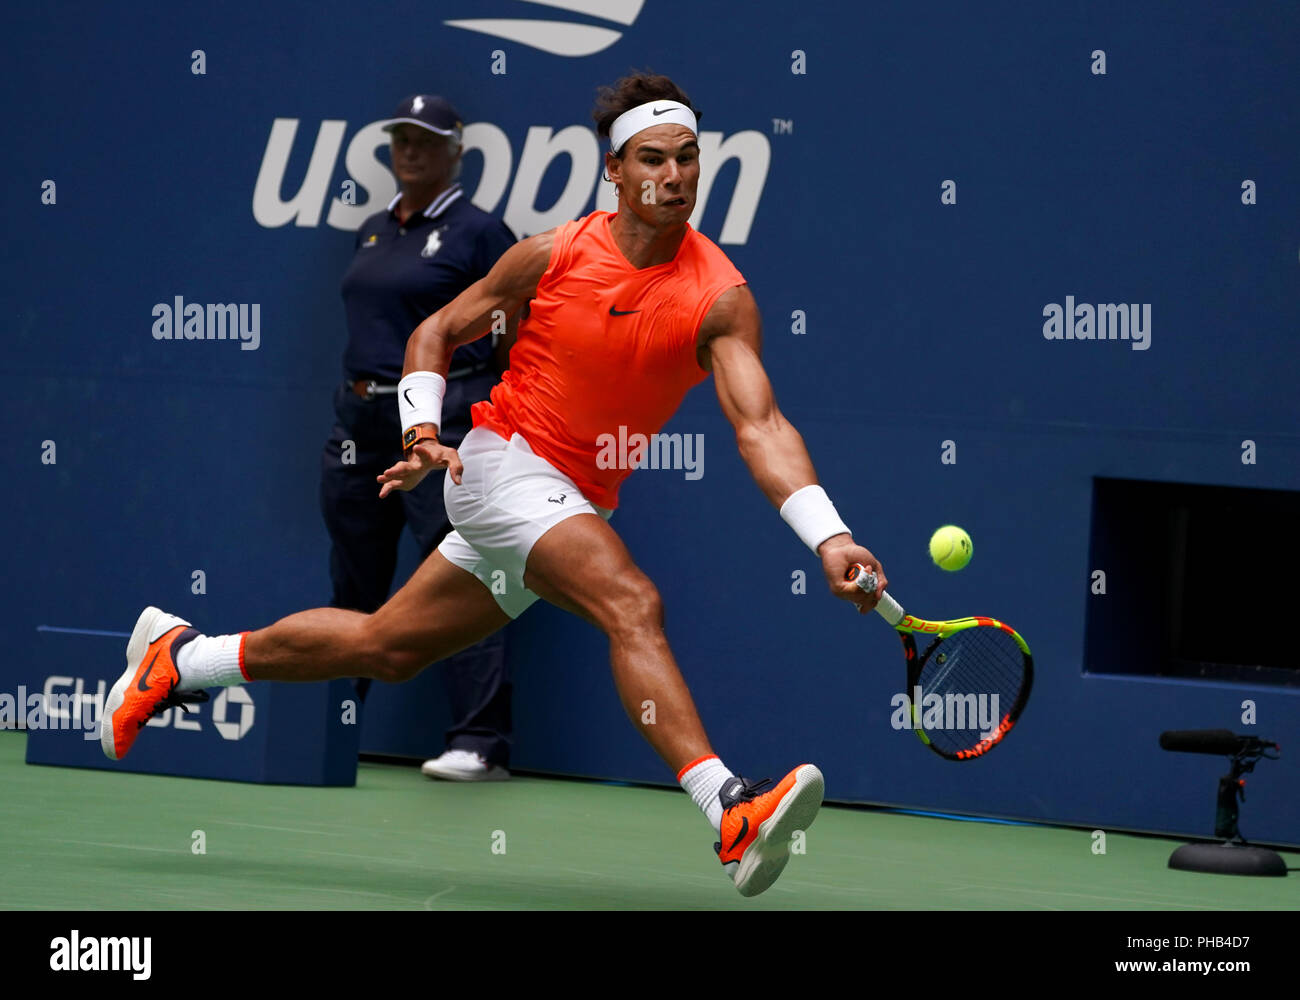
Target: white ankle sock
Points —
{"points": [[703, 779], [211, 661]]}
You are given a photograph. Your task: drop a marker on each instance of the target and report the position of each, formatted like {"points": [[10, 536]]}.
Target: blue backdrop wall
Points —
{"points": [[912, 186]]}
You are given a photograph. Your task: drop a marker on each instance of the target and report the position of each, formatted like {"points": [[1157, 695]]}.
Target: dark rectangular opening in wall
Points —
{"points": [[1196, 582]]}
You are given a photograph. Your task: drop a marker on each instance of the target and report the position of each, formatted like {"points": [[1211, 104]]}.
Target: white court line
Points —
{"points": [[284, 829], [367, 857], [124, 847], [436, 895]]}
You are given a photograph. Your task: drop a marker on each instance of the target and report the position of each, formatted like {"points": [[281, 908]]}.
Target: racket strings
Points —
{"points": [[976, 677]]}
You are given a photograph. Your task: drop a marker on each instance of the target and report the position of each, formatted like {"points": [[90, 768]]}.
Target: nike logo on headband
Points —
{"points": [[657, 111]]}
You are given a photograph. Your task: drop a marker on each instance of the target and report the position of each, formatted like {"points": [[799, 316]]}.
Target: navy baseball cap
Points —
{"points": [[428, 111]]}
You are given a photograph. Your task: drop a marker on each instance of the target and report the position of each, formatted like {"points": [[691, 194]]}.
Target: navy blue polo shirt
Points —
{"points": [[402, 273]]}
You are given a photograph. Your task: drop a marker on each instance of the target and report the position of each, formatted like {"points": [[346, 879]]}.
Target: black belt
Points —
{"points": [[366, 388]]}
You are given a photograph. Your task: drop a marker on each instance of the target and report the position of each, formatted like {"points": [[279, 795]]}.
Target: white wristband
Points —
{"points": [[419, 399], [811, 514]]}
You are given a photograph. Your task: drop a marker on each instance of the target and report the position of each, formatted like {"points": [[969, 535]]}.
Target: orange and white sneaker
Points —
{"points": [[757, 826], [149, 684]]}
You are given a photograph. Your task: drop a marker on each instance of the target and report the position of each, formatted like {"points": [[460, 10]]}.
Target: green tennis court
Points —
{"points": [[87, 840]]}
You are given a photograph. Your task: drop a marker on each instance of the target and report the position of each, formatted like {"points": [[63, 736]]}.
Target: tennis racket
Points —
{"points": [[966, 690]]}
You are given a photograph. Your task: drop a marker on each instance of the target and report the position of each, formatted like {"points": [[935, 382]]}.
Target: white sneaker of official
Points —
{"points": [[463, 765]]}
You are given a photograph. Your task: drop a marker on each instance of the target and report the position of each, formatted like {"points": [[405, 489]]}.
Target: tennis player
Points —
{"points": [[623, 313]]}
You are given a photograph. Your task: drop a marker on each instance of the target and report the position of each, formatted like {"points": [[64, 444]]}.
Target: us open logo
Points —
{"points": [[573, 39], [511, 178]]}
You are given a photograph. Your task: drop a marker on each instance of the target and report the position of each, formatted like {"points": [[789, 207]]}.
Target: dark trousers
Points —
{"points": [[365, 532]]}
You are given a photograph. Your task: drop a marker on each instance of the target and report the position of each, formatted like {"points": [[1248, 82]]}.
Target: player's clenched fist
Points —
{"points": [[424, 458], [838, 554]]}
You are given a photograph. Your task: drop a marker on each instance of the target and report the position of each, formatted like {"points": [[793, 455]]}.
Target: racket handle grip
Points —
{"points": [[888, 608]]}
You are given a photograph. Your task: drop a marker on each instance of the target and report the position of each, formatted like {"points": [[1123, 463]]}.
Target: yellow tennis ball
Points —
{"points": [[951, 548]]}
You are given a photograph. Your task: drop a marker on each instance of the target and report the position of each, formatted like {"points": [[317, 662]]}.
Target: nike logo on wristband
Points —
{"points": [[407, 393]]}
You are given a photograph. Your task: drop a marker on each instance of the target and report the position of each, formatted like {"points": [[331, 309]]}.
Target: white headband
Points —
{"points": [[642, 117]]}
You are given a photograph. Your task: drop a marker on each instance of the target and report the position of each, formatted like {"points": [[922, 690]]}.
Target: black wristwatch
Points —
{"points": [[414, 436]]}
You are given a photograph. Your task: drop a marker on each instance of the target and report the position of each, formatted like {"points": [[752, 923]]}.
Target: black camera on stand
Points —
{"points": [[1234, 856]]}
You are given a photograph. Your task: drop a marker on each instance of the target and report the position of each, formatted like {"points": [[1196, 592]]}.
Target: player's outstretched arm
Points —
{"points": [[499, 294], [730, 344]]}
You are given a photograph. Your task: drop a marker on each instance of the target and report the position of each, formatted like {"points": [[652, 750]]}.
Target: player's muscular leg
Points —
{"points": [[583, 566], [441, 610]]}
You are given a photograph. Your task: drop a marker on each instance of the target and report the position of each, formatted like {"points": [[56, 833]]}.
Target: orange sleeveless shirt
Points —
{"points": [[607, 351]]}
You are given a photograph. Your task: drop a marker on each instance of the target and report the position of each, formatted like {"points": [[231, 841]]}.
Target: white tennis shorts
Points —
{"points": [[508, 498]]}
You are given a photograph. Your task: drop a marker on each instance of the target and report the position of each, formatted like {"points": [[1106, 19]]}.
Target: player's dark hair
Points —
{"points": [[632, 90]]}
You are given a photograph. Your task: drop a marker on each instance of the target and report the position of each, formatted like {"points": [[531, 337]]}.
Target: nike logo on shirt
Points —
{"points": [[620, 312]]}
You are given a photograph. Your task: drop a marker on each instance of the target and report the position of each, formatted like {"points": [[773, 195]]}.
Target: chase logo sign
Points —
{"points": [[233, 713]]}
